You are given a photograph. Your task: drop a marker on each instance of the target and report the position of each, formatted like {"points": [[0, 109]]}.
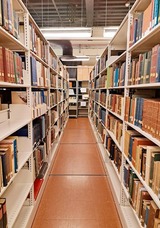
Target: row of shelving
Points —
{"points": [[33, 113], [128, 72], [78, 98]]}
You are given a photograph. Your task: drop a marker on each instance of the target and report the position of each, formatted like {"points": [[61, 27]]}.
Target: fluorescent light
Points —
{"points": [[52, 33], [75, 58], [109, 32], [127, 4], [97, 58]]}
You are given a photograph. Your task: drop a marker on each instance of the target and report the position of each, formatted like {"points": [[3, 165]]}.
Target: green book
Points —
{"points": [[155, 157], [132, 177]]}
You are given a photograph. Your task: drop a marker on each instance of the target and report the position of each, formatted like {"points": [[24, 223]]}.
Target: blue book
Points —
{"points": [[159, 12], [140, 25], [43, 126], [136, 111], [130, 148], [135, 30], [116, 76], [15, 147], [156, 12], [33, 71], [21, 132], [140, 112], [147, 215], [124, 72]]}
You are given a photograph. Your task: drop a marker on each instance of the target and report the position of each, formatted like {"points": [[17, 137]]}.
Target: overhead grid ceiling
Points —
{"points": [[79, 13]]}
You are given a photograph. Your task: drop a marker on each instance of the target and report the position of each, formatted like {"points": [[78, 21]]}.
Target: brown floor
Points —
{"points": [[77, 194]]}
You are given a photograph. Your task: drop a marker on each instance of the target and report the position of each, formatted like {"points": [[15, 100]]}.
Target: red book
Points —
{"points": [[1, 66], [154, 62], [37, 187], [6, 64], [136, 142]]}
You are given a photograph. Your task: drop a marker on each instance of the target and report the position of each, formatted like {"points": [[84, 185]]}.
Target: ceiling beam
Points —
{"points": [[57, 11], [89, 12]]}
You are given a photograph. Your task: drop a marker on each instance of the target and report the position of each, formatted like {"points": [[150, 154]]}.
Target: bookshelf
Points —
{"points": [[34, 92], [83, 98], [73, 98], [124, 113], [78, 90]]}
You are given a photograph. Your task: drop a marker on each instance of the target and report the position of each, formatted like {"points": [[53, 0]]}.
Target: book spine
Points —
{"points": [[4, 169]]}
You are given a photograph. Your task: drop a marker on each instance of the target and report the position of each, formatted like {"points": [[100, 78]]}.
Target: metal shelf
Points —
{"points": [[146, 42], [15, 201], [10, 126], [114, 139], [148, 86], [156, 141], [9, 41], [23, 217], [115, 114]]}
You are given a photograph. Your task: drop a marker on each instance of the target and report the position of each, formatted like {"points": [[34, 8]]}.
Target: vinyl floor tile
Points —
{"points": [[78, 159], [80, 123], [78, 136], [77, 198], [77, 193]]}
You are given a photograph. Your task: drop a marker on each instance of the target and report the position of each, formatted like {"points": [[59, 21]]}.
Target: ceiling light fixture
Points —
{"points": [[110, 31], [76, 32], [127, 3], [75, 58]]}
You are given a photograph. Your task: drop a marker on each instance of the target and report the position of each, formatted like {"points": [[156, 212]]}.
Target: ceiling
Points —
{"points": [[79, 13]]}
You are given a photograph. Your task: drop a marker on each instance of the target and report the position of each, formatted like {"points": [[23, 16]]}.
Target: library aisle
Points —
{"points": [[77, 194]]}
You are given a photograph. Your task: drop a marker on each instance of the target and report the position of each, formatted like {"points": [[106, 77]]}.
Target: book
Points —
{"points": [[43, 170], [159, 12], [11, 143], [6, 64], [142, 195], [150, 150], [136, 184], [153, 213], [139, 163], [154, 64], [147, 20], [145, 212], [6, 164], [4, 212], [1, 174], [156, 222], [126, 175], [14, 140], [155, 179], [1, 14], [5, 167], [33, 71], [155, 157], [132, 177], [136, 142], [1, 216], [155, 14], [5, 22], [1, 65], [37, 186]]}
